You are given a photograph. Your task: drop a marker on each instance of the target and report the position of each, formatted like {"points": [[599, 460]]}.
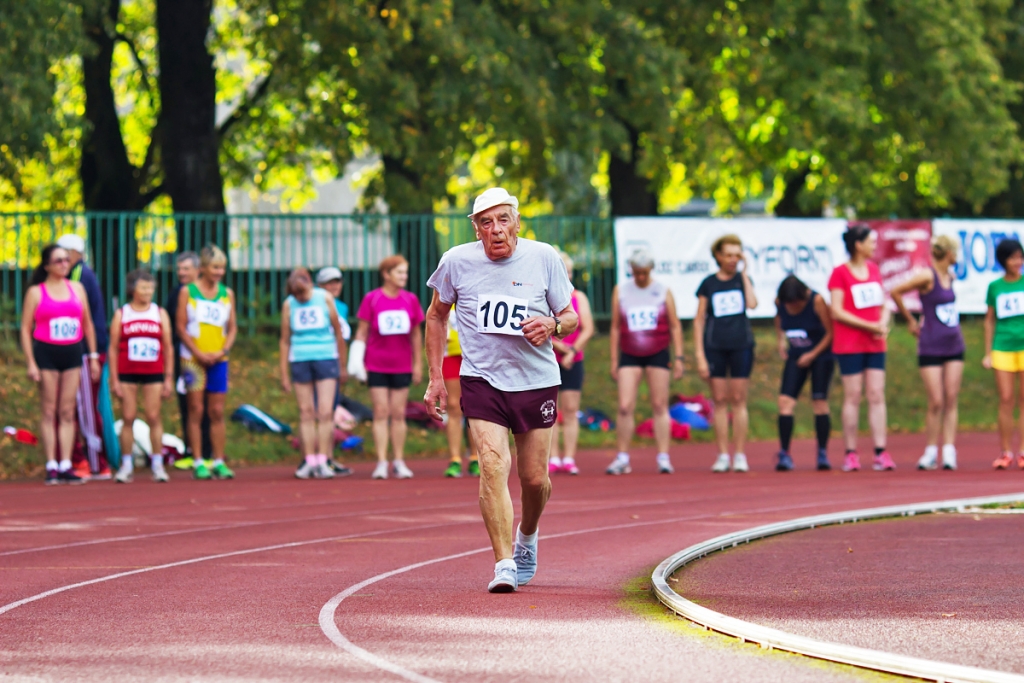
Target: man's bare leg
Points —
{"points": [[495, 501]]}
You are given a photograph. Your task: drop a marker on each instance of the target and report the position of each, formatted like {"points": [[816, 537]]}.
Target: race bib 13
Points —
{"points": [[642, 318], [500, 314], [727, 303], [393, 322], [867, 295]]}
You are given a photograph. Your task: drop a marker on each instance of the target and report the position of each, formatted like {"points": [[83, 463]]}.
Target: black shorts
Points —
{"points": [[59, 357], [138, 378], [934, 361], [660, 359], [794, 377], [389, 380], [518, 411], [572, 379], [856, 363], [735, 363]]}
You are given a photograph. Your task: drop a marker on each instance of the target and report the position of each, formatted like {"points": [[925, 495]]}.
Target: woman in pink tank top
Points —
{"points": [[55, 320]]}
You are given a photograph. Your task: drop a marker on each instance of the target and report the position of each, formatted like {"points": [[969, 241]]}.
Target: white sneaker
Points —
{"points": [[664, 464], [305, 471], [124, 475], [949, 457], [722, 463], [739, 463], [160, 474], [401, 471], [620, 465], [380, 471], [505, 578], [324, 471], [928, 461]]}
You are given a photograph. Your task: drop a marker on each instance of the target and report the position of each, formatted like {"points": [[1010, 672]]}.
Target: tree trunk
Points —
{"points": [[629, 192], [789, 205], [188, 91], [412, 230]]}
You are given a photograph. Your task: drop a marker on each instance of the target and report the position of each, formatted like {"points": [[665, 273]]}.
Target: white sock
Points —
{"points": [[524, 539], [157, 461], [555, 460], [510, 564], [723, 455], [218, 461], [64, 466], [127, 463], [312, 460], [51, 466], [624, 456], [739, 455], [662, 456], [931, 451], [567, 460]]}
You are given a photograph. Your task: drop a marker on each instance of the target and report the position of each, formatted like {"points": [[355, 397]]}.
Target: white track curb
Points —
{"points": [[847, 654]]}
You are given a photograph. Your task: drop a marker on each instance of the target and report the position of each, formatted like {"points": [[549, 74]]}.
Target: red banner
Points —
{"points": [[904, 246]]}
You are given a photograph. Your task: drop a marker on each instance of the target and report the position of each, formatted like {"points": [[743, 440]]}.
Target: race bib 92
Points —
{"points": [[308, 318], [393, 322], [727, 303], [64, 329], [948, 314], [143, 349], [642, 318], [867, 295], [500, 314], [1010, 305], [212, 313]]}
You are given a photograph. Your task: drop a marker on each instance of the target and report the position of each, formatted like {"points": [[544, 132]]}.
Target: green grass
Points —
{"points": [[255, 379]]}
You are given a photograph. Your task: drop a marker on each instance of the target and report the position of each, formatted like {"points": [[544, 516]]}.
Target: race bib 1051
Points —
{"points": [[500, 314], [948, 314], [867, 295], [211, 313], [727, 303], [308, 318], [65, 329], [143, 350], [642, 318], [393, 322], [1010, 305]]}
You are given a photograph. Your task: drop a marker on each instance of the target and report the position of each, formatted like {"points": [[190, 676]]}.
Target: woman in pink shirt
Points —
{"points": [[54, 322], [389, 326], [860, 325]]}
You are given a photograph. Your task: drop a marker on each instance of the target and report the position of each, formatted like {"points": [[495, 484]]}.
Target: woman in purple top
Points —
{"points": [[940, 349]]}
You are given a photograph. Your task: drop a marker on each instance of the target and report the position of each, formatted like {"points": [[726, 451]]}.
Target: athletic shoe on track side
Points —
{"points": [[569, 467], [722, 463], [82, 470], [505, 578], [339, 469], [949, 457], [851, 463], [525, 557], [305, 471], [52, 478], [103, 475], [619, 466], [124, 475], [554, 466], [71, 477], [665, 465], [883, 462], [823, 464], [400, 470], [201, 471], [184, 463], [380, 471], [160, 474], [1003, 461], [222, 471], [474, 468], [324, 471], [454, 470], [739, 463], [928, 461], [784, 463]]}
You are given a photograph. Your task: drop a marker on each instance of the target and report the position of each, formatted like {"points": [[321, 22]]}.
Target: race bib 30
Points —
{"points": [[212, 313]]}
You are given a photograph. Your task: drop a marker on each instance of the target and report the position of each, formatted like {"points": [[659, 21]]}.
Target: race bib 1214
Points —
{"points": [[500, 314], [727, 303], [393, 322], [1010, 305], [143, 350], [642, 318], [867, 295]]}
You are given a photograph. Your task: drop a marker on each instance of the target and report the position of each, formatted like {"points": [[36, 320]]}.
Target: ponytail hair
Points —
{"points": [[854, 234], [39, 272]]}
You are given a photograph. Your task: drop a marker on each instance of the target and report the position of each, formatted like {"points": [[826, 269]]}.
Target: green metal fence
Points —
{"points": [[263, 248]]}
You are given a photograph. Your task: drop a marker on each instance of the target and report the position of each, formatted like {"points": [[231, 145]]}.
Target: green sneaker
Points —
{"points": [[184, 463], [454, 470], [201, 471], [474, 468], [222, 471]]}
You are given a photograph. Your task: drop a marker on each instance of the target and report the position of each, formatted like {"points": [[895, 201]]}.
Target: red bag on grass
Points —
{"points": [[680, 432]]}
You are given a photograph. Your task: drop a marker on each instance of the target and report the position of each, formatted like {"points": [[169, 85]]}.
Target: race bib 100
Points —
{"points": [[309, 318], [500, 314], [642, 318], [65, 329], [143, 350], [948, 314], [724, 304], [211, 313], [1010, 305], [393, 322], [867, 295]]}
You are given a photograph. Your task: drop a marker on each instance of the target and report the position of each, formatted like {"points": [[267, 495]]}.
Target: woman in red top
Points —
{"points": [[141, 360], [861, 324]]}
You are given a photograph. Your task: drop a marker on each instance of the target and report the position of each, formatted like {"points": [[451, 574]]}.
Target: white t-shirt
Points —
{"points": [[491, 298]]}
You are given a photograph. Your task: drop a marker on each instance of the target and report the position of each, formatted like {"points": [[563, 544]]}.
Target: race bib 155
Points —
{"points": [[642, 318], [727, 303], [500, 314], [1010, 305], [867, 295]]}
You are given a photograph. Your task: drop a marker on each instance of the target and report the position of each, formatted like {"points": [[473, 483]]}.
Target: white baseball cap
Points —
{"points": [[495, 196], [72, 242], [327, 275]]}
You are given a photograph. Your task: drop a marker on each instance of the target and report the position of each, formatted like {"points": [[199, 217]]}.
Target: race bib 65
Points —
{"points": [[500, 314], [312, 318], [867, 295], [727, 303], [393, 322], [1010, 305]]}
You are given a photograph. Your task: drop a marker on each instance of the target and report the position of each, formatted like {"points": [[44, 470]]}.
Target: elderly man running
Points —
{"points": [[510, 297]]}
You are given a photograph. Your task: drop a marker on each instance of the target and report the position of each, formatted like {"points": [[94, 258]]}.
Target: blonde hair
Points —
{"points": [[719, 244], [566, 259], [942, 246], [211, 254]]}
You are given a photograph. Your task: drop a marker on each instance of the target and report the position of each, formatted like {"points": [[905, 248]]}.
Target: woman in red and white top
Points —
{"points": [[141, 358], [861, 324]]}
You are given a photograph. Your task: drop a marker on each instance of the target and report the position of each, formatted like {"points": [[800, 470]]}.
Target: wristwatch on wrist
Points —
{"points": [[558, 326]]}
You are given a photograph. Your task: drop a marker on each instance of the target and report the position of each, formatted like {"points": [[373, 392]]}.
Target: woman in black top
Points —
{"points": [[725, 347], [804, 328]]}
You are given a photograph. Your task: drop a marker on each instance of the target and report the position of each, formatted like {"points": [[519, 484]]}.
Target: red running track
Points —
{"points": [[243, 580]]}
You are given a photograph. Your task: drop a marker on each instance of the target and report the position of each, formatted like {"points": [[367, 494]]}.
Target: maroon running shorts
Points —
{"points": [[519, 411]]}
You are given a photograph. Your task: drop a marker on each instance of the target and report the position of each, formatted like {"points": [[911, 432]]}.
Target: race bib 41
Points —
{"points": [[500, 314], [1010, 305]]}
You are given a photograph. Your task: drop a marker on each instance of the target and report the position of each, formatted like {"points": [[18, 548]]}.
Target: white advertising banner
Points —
{"points": [[774, 248], [977, 264]]}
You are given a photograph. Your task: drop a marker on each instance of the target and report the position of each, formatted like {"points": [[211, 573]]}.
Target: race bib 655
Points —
{"points": [[500, 314]]}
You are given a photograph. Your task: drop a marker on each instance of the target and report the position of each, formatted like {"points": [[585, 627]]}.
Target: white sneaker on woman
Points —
{"points": [[380, 471], [401, 471], [722, 463]]}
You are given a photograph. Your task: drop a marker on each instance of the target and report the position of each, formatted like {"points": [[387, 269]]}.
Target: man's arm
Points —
{"points": [[436, 396]]}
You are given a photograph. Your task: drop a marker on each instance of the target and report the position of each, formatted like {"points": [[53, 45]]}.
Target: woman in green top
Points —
{"points": [[1004, 343]]}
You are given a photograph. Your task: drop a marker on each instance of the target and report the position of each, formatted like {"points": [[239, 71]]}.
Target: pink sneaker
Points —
{"points": [[554, 467], [883, 461], [569, 467], [851, 463]]}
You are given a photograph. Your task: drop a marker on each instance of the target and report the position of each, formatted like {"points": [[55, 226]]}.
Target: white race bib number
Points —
{"points": [[393, 322], [798, 338], [947, 314], [499, 314], [308, 318], [727, 303], [867, 295], [64, 329], [211, 313], [143, 349], [642, 318], [1010, 305]]}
